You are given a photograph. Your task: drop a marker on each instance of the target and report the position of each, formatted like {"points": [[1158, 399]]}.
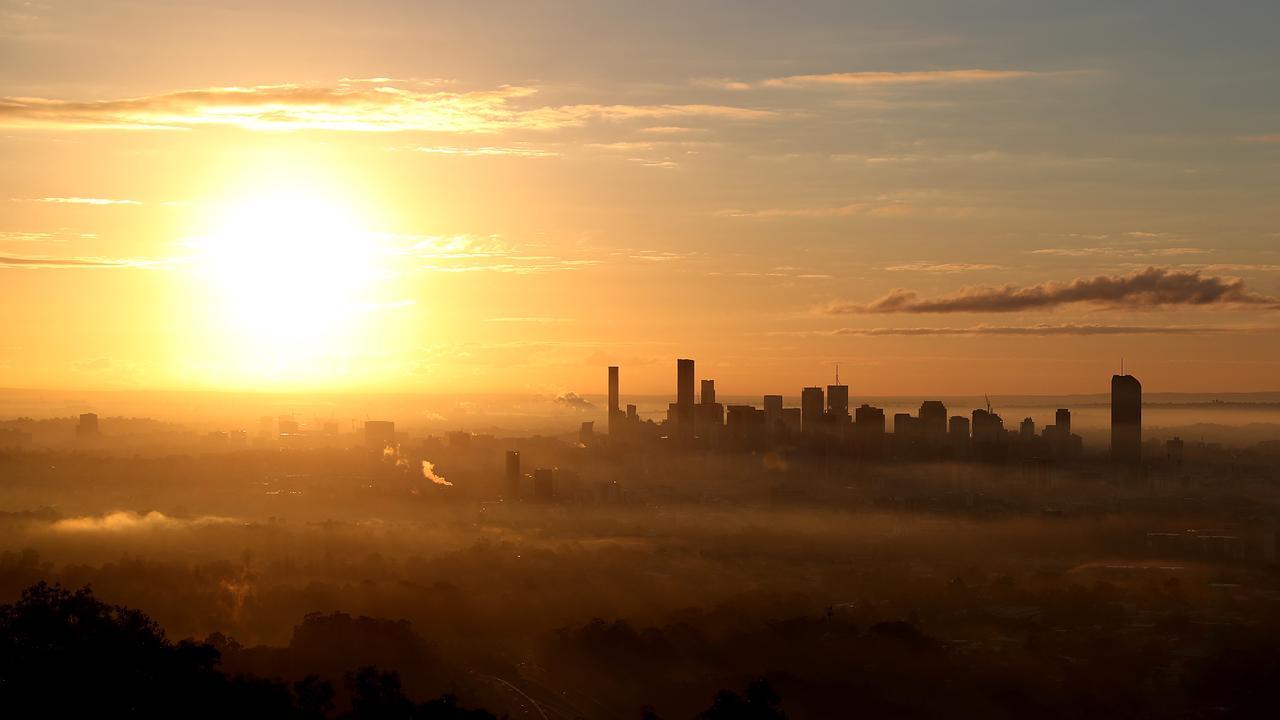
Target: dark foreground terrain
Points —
{"points": [[903, 592]]}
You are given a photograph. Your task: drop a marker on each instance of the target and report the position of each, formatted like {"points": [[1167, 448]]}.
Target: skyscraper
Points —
{"points": [[1062, 419], [614, 424], [1126, 419], [868, 431], [708, 394], [933, 420], [773, 416], [511, 481], [811, 411], [684, 398], [838, 404]]}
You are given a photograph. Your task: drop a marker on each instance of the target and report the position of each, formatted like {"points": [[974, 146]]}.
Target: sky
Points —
{"points": [[942, 197]]}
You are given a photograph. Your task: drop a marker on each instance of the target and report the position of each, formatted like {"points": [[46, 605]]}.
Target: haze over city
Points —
{"points": [[575, 359]]}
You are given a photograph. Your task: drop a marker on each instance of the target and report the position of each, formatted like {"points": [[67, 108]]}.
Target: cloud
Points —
{"points": [[464, 253], [129, 521], [34, 262], [800, 212], [1270, 138], [77, 200], [1042, 329], [352, 106], [486, 151], [909, 77], [1149, 288], [530, 320], [1121, 252], [946, 268]]}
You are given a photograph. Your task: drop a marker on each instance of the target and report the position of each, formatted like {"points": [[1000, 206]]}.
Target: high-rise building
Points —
{"points": [[773, 416], [1027, 430], [1126, 419], [287, 425], [708, 394], [379, 434], [88, 426], [868, 431], [838, 404], [544, 484], [958, 428], [614, 422], [1062, 418], [511, 480], [684, 398], [933, 420], [811, 410]]}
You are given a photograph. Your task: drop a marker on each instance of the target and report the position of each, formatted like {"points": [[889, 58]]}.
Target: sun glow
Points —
{"points": [[290, 274]]}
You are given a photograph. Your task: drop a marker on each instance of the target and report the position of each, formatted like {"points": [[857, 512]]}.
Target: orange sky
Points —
{"points": [[444, 198]]}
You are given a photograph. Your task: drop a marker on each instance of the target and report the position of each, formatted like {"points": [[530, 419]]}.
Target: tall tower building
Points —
{"points": [[511, 481], [838, 403], [811, 411], [933, 420], [684, 398], [708, 394], [773, 415], [1062, 419], [1126, 419], [614, 411]]}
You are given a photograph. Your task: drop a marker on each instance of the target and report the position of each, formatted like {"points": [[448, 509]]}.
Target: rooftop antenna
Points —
{"points": [[837, 373], [988, 397]]}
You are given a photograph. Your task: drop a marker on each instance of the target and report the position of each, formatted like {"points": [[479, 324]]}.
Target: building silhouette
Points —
{"points": [[613, 422], [379, 434], [87, 427], [684, 399], [811, 410], [1126, 419], [511, 479]]}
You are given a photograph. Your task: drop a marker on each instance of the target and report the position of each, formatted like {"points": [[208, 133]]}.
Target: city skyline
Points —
{"points": [[945, 199]]}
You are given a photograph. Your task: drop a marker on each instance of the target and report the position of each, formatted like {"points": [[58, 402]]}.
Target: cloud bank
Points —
{"points": [[352, 106], [1149, 288], [1043, 329]]}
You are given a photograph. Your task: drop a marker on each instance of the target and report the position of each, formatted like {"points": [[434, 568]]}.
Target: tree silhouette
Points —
{"points": [[760, 702]]}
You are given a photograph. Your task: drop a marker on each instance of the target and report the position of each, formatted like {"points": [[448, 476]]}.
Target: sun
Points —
{"points": [[289, 272]]}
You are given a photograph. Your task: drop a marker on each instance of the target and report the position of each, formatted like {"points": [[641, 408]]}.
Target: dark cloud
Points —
{"points": [[1044, 329], [1149, 288]]}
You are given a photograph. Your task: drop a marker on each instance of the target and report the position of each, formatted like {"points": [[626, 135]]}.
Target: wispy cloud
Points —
{"points": [[942, 268], [907, 77], [1270, 138], [35, 262], [1046, 329], [1120, 251], [1149, 288], [515, 151], [530, 320], [465, 253], [78, 200], [355, 106], [880, 207]]}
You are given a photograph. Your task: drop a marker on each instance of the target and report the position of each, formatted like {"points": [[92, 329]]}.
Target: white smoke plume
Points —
{"points": [[429, 472]]}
